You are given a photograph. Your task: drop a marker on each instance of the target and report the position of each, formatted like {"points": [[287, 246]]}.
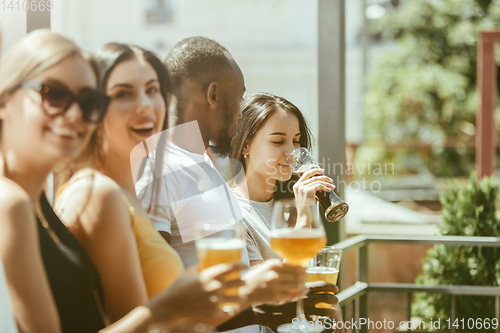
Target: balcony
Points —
{"points": [[357, 294]]}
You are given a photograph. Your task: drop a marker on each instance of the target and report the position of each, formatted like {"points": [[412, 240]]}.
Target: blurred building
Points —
{"points": [[274, 41]]}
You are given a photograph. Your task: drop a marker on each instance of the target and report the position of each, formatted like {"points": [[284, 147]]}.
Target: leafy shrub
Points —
{"points": [[469, 209]]}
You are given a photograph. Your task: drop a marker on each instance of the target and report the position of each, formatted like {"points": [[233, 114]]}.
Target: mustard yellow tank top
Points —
{"points": [[161, 264]]}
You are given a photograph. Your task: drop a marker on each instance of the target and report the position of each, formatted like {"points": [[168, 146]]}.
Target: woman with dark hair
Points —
{"points": [[269, 129], [129, 253]]}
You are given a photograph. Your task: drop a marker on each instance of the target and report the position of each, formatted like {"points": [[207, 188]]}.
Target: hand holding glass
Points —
{"points": [[220, 244], [294, 244], [324, 267], [301, 161]]}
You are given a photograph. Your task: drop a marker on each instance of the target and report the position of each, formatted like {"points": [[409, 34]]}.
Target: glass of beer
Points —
{"points": [[218, 243], [297, 235], [301, 161], [324, 267]]}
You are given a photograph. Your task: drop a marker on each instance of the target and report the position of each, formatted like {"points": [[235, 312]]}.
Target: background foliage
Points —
{"points": [[424, 89], [468, 210]]}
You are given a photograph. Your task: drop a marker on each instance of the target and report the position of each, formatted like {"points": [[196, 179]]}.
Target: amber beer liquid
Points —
{"points": [[297, 246], [334, 207], [215, 251], [327, 274]]}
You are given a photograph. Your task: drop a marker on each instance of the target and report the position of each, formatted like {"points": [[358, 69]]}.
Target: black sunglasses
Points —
{"points": [[56, 100]]}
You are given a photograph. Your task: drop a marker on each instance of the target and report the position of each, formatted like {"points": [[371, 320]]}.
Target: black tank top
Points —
{"points": [[73, 278]]}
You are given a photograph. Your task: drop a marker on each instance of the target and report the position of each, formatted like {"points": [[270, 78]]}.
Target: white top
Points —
{"points": [[190, 191], [257, 219], [7, 322]]}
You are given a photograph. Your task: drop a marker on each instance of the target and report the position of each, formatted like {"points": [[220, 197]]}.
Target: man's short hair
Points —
{"points": [[198, 58]]}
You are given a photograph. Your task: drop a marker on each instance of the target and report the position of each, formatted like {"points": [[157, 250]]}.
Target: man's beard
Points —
{"points": [[222, 147]]}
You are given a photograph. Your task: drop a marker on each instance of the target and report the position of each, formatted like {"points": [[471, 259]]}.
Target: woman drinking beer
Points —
{"points": [[270, 129]]}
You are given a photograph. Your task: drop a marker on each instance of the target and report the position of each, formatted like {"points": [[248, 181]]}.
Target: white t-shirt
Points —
{"points": [[189, 191], [257, 220], [7, 322]]}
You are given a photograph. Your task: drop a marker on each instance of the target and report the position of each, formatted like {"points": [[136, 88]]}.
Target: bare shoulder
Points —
{"points": [[16, 216], [107, 194], [95, 198], [91, 181], [92, 186], [12, 196]]}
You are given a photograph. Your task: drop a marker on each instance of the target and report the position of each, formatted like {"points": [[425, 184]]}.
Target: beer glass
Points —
{"points": [[217, 243], [324, 267], [301, 161], [297, 235]]}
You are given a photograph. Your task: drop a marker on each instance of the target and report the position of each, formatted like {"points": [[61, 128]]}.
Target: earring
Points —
{"points": [[245, 155]]}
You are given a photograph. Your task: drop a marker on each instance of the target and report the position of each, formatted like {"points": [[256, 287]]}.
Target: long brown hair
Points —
{"points": [[107, 57], [255, 110]]}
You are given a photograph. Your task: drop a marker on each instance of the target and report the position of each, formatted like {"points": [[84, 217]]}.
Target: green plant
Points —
{"points": [[424, 89], [469, 209]]}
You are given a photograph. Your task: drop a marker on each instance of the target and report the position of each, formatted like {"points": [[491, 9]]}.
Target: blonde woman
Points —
{"points": [[46, 81], [7, 323]]}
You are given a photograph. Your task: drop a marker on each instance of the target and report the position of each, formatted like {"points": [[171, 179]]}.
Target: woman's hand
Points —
{"points": [[305, 189], [193, 298], [197, 296], [321, 292], [338, 317], [311, 182], [274, 282]]}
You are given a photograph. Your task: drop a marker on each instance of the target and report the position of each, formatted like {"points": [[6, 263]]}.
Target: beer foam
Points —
{"points": [[216, 243], [297, 233], [307, 167], [321, 270]]}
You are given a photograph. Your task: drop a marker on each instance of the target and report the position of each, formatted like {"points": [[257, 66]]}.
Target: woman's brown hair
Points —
{"points": [[255, 110], [107, 57]]}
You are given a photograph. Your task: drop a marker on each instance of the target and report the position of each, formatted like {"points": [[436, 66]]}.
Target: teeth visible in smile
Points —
{"points": [[145, 126], [65, 132]]}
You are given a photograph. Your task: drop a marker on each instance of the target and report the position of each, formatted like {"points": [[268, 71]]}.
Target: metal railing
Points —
{"points": [[358, 293]]}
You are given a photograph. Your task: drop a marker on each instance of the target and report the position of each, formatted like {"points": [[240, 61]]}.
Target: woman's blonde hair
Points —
{"points": [[35, 53], [32, 55]]}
